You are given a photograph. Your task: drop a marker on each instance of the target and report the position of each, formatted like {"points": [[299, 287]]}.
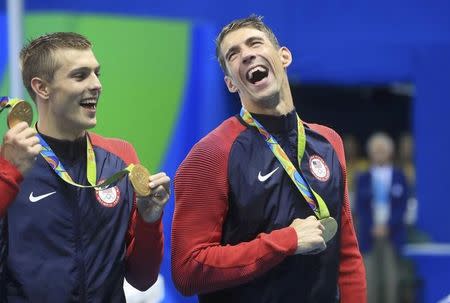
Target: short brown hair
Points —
{"points": [[37, 57], [253, 21]]}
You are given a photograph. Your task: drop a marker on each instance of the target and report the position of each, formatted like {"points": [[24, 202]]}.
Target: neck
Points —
{"points": [[51, 127], [58, 133], [281, 104], [280, 110]]}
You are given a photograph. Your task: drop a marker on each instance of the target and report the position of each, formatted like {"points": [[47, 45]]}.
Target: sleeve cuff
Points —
{"points": [[140, 223], [288, 239], [10, 171]]}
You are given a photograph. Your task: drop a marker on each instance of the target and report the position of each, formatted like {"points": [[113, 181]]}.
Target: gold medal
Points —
{"points": [[139, 177], [22, 111], [331, 226]]}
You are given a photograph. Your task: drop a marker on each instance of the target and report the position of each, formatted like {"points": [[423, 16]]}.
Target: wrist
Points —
{"points": [[151, 213]]}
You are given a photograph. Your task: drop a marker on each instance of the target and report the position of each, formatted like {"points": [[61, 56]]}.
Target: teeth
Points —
{"points": [[89, 101], [252, 71]]}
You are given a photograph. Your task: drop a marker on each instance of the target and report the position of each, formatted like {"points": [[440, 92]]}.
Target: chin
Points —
{"points": [[90, 124]]}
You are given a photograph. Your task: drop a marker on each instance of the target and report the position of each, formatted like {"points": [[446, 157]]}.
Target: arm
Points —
{"points": [[10, 178], [397, 226], [144, 251], [352, 274], [17, 155], [144, 244], [200, 263]]}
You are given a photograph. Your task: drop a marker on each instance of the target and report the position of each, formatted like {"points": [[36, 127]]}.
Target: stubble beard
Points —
{"points": [[271, 101]]}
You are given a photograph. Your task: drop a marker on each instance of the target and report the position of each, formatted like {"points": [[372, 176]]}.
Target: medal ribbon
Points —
{"points": [[320, 208], [8, 102], [54, 162]]}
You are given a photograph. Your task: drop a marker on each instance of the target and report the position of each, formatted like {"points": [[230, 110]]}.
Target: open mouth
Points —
{"points": [[90, 103], [257, 73]]}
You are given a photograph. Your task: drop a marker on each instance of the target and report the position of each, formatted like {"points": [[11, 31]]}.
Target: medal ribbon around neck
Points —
{"points": [[54, 162], [8, 102], [320, 208]]}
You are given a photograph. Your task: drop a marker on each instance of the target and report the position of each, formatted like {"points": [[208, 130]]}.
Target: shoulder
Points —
{"points": [[330, 134], [226, 132], [118, 147], [332, 137], [220, 140], [211, 153], [398, 173]]}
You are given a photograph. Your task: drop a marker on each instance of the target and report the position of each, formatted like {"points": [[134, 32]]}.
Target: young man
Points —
{"points": [[17, 155], [246, 226], [67, 243]]}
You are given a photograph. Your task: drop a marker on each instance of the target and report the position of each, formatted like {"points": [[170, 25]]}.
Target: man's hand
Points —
{"points": [[309, 235], [150, 208], [21, 146]]}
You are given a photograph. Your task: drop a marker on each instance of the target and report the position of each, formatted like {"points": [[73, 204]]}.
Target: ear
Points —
{"points": [[285, 56], [230, 84], [40, 88]]}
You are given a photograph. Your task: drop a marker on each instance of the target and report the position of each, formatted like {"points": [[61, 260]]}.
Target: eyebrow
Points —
{"points": [[254, 38], [84, 69], [247, 42], [232, 49]]}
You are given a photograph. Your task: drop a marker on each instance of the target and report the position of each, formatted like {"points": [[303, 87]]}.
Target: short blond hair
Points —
{"points": [[37, 57]]}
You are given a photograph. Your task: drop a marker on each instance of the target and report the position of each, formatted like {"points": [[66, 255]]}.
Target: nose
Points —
{"points": [[248, 55], [95, 84]]}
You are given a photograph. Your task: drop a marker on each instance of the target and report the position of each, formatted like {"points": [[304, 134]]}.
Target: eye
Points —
{"points": [[256, 43], [97, 74], [80, 76], [231, 56]]}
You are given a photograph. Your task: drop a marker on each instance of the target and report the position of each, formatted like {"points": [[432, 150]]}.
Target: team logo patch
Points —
{"points": [[319, 168], [108, 197]]}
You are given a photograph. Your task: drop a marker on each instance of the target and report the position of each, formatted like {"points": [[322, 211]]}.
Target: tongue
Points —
{"points": [[258, 76]]}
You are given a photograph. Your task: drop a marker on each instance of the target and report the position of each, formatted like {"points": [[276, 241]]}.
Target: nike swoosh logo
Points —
{"points": [[265, 177], [38, 198]]}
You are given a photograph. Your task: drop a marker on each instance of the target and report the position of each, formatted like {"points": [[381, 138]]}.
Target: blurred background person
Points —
{"points": [[356, 163], [405, 160], [381, 197]]}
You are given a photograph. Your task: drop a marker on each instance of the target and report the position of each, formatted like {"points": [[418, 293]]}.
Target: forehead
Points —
{"points": [[380, 143], [69, 58], [239, 36]]}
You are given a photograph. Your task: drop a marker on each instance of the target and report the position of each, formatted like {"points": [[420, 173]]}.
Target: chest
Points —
{"points": [[45, 202], [263, 197]]}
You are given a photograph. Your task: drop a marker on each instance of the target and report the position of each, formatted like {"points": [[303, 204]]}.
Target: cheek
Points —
{"points": [[277, 63], [233, 69], [61, 92]]}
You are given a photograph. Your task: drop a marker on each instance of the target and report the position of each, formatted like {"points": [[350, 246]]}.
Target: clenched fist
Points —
{"points": [[21, 146], [309, 235], [150, 208]]}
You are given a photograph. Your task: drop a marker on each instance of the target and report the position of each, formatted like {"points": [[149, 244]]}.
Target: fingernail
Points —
{"points": [[152, 184]]}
